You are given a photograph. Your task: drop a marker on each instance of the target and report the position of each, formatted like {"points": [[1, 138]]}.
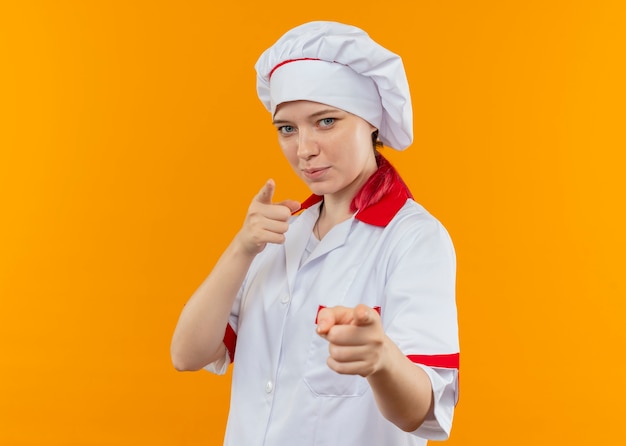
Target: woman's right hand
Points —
{"points": [[266, 222]]}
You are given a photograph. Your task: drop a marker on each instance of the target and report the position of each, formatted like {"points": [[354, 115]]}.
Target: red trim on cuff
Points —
{"points": [[230, 341], [442, 361]]}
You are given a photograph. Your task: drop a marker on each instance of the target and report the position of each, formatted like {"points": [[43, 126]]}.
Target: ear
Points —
{"points": [[374, 136]]}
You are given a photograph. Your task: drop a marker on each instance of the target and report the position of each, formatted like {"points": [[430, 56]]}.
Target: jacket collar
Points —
{"points": [[379, 213]]}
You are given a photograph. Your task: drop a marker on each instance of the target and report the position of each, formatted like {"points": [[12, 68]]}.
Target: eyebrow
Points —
{"points": [[317, 114]]}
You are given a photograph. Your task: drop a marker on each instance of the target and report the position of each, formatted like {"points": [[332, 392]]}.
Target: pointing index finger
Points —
{"points": [[266, 193], [325, 320], [329, 317]]}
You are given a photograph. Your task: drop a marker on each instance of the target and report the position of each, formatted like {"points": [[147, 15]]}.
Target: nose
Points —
{"points": [[307, 145]]}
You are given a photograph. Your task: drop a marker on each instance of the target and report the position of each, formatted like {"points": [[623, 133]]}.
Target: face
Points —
{"points": [[330, 149]]}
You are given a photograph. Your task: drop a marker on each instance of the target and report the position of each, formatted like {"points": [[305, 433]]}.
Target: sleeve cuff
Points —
{"points": [[438, 422], [220, 366]]}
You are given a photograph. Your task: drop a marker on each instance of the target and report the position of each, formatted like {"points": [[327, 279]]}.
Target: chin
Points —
{"points": [[320, 189]]}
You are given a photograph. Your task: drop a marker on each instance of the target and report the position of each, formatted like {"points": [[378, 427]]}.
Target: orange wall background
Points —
{"points": [[131, 141]]}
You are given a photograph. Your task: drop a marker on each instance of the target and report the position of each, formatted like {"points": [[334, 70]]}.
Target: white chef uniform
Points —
{"points": [[393, 256]]}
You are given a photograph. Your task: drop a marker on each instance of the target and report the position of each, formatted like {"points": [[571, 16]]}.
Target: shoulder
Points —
{"points": [[416, 233], [414, 220]]}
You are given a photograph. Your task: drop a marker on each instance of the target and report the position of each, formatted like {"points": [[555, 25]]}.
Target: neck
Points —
{"points": [[332, 212], [336, 207]]}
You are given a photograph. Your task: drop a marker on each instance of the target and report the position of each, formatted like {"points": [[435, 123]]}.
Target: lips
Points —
{"points": [[314, 173]]}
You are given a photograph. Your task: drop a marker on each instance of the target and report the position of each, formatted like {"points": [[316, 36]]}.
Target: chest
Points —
{"points": [[348, 270]]}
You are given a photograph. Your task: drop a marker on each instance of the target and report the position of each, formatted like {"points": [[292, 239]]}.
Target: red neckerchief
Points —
{"points": [[379, 213]]}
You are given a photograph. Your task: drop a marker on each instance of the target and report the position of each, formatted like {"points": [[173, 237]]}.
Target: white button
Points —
{"points": [[269, 386], [285, 299]]}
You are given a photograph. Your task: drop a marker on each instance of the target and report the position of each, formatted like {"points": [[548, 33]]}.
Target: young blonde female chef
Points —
{"points": [[341, 321]]}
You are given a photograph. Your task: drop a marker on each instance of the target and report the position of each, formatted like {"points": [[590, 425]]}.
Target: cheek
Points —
{"points": [[290, 152], [361, 146]]}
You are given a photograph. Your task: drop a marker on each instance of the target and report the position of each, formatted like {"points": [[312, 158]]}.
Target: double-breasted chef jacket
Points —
{"points": [[393, 256]]}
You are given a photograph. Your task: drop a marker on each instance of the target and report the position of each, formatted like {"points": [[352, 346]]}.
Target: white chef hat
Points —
{"points": [[341, 66]]}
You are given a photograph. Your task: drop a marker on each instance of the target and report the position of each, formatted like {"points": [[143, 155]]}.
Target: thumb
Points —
{"points": [[266, 193], [363, 315], [293, 205]]}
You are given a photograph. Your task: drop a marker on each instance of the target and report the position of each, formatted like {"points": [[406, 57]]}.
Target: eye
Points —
{"points": [[286, 129], [326, 122]]}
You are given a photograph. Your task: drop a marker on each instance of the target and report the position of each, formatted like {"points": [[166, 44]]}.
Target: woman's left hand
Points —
{"points": [[356, 339]]}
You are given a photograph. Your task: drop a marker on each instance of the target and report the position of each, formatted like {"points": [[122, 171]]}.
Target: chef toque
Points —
{"points": [[341, 66]]}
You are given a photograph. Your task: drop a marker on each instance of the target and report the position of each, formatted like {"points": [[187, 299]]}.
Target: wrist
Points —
{"points": [[383, 368], [242, 250]]}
